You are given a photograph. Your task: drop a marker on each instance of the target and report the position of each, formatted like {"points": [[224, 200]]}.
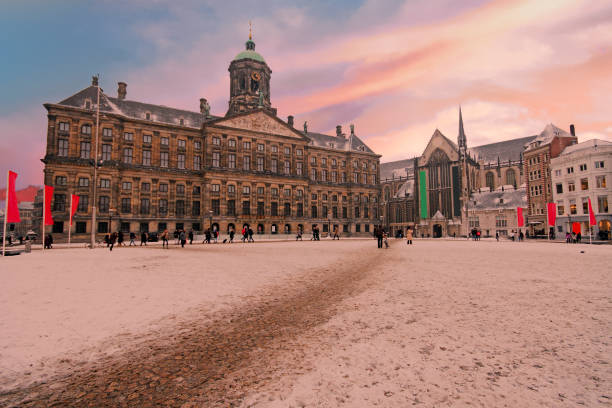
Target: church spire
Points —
{"points": [[461, 139]]}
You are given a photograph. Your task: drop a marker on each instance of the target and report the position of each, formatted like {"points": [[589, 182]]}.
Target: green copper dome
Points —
{"points": [[250, 53]]}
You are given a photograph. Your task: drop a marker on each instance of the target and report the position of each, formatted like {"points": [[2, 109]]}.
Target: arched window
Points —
{"points": [[274, 229], [490, 180], [230, 227], [511, 178], [260, 228], [287, 228]]}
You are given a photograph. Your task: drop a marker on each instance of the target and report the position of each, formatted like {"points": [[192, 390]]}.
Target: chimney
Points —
{"points": [[572, 130], [121, 90], [290, 120], [339, 131], [94, 80]]}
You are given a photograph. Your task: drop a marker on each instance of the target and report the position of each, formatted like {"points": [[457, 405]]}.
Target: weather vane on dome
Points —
{"points": [[250, 36]]}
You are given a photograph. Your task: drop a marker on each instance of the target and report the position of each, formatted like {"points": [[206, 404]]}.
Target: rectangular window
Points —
{"points": [[146, 187], [343, 177], [599, 164], [313, 161], [287, 150], [164, 141], [195, 208], [246, 162], [571, 186], [231, 189], [274, 166], [573, 209], [287, 210], [81, 227], [246, 208], [570, 170], [83, 182], [584, 184], [163, 187], [600, 181], [216, 158], [323, 175], [107, 132], [163, 159], [287, 192], [602, 203], [260, 191], [231, 143], [126, 205], [216, 141], [274, 149], [197, 145], [86, 129], [231, 207], [583, 167], [231, 161], [287, 167], [85, 150], [560, 207], [585, 205], [126, 185], [197, 162], [557, 173], [128, 136], [163, 206], [146, 139], [246, 145], [64, 127], [355, 178], [274, 191], [313, 174], [182, 144], [146, 157], [103, 204], [106, 152], [83, 203], [196, 190], [260, 147], [181, 161], [335, 212], [356, 212], [215, 188], [246, 190], [62, 147], [180, 189], [260, 209], [299, 168], [215, 206], [300, 210], [127, 155], [324, 161], [260, 163], [61, 180], [180, 208], [299, 152], [274, 209], [104, 183], [59, 202]]}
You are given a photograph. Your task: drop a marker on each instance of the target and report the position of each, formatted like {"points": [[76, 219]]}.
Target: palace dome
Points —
{"points": [[249, 53]]}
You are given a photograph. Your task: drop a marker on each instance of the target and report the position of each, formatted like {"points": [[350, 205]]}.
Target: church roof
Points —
{"points": [[351, 142], [135, 110], [505, 151], [395, 169], [546, 136]]}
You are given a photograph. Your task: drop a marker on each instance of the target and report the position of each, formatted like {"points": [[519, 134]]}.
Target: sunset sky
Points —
{"points": [[396, 69]]}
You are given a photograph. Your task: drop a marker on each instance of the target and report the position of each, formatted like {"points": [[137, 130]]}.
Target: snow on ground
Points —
{"points": [[439, 323], [67, 302]]}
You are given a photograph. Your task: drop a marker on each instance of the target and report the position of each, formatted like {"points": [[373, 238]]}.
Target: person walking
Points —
{"points": [[299, 234], [521, 236], [250, 232], [182, 238], [409, 236], [132, 239], [164, 238], [497, 236], [568, 238], [120, 238], [244, 233], [48, 241], [143, 238], [176, 236], [378, 233], [478, 235], [190, 237], [231, 235], [336, 235], [111, 240], [207, 236]]}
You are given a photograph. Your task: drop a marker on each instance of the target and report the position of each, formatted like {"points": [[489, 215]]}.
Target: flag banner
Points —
{"points": [[552, 214], [519, 217], [592, 220], [12, 211], [576, 227], [47, 209], [75, 205]]}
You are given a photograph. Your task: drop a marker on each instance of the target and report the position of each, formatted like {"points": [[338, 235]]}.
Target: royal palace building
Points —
{"points": [[164, 168]]}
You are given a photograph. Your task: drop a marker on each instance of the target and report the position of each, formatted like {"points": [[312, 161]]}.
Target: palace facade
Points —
{"points": [[164, 168]]}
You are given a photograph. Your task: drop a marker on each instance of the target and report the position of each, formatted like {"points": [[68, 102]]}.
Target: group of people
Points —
{"points": [[573, 238], [247, 234]]}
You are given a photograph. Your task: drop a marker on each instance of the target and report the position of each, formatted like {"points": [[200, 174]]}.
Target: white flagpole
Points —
{"points": [[547, 226], [5, 214], [43, 216], [70, 223]]}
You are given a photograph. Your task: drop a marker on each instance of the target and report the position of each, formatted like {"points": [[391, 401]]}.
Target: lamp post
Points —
{"points": [[110, 220], [210, 215], [328, 223]]}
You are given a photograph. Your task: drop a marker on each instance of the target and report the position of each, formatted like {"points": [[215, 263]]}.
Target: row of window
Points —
{"points": [[602, 205], [600, 182], [583, 167]]}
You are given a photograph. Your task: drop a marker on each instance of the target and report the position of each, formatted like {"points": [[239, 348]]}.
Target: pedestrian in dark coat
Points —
{"points": [[207, 236], [191, 237], [231, 234], [182, 238], [48, 241], [112, 240], [132, 238], [250, 232], [378, 233], [120, 238], [143, 238]]}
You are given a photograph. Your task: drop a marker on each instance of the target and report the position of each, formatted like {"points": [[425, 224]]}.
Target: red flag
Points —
{"points": [[47, 209], [519, 216], [576, 227], [552, 214], [592, 220], [75, 205], [12, 213]]}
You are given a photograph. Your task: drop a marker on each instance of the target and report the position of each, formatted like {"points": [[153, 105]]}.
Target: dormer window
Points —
{"points": [[332, 145], [148, 116], [182, 122], [87, 104]]}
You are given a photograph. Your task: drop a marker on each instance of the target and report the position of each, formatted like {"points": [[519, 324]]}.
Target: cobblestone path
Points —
{"points": [[208, 363]]}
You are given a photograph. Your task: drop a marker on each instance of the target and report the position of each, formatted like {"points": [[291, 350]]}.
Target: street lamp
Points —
{"points": [[210, 215], [328, 223], [110, 220]]}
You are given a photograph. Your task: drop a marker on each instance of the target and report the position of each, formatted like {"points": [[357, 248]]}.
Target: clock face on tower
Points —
{"points": [[255, 76]]}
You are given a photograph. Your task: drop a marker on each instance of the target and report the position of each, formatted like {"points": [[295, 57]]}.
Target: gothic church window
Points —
{"points": [[511, 178], [490, 180]]}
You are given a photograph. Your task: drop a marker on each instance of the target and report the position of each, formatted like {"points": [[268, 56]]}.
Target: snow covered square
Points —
{"points": [[308, 324]]}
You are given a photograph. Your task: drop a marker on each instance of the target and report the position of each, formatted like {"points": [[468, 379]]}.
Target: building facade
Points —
{"points": [[164, 168], [580, 172], [434, 193], [537, 156]]}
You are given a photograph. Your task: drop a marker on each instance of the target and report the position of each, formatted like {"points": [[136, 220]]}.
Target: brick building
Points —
{"points": [[165, 168]]}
